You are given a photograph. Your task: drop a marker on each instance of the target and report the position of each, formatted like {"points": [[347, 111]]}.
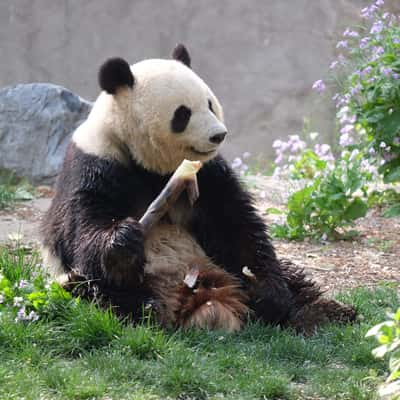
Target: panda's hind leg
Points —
{"points": [[310, 309]]}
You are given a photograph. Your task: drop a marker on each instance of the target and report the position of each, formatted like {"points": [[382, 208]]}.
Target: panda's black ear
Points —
{"points": [[115, 73], [181, 54]]}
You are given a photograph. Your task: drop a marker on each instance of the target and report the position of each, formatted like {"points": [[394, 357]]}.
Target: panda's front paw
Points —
{"points": [[124, 257]]}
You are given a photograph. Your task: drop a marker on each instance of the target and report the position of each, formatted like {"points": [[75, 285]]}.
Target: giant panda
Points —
{"points": [[148, 118]]}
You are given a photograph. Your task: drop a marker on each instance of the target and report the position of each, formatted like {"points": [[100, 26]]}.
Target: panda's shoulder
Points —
{"points": [[85, 172]]}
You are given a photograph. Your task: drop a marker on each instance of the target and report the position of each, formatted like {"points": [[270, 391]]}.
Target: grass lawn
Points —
{"points": [[75, 351]]}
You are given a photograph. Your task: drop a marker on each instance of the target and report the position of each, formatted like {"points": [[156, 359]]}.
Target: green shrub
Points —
{"points": [[333, 195]]}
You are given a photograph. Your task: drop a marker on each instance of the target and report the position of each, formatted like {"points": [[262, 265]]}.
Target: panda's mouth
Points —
{"points": [[202, 153]]}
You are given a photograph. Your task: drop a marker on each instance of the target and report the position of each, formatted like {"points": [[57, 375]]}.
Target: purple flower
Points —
{"points": [[350, 33], [246, 154], [319, 86], [333, 64], [356, 90], [368, 12], [386, 71], [23, 284], [347, 129], [324, 152], [366, 71], [377, 52], [377, 27], [379, 3], [342, 44], [396, 40], [345, 140], [395, 75], [343, 100], [298, 146], [279, 159], [21, 315], [364, 42]]}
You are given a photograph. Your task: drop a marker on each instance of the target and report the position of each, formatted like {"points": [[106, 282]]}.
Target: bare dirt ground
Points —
{"points": [[370, 258]]}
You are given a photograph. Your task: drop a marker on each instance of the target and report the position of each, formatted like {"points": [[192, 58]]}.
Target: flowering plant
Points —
{"points": [[368, 101], [25, 295], [333, 195], [297, 161]]}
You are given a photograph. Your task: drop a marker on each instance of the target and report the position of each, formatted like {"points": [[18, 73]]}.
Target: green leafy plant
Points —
{"points": [[333, 195], [24, 293], [387, 334], [367, 74]]}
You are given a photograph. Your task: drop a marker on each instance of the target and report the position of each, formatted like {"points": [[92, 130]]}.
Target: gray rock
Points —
{"points": [[36, 122]]}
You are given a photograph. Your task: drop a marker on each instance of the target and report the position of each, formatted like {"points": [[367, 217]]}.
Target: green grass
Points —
{"points": [[76, 351]]}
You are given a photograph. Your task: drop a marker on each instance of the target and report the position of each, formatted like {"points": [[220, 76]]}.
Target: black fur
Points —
{"points": [[92, 227], [115, 73], [181, 54], [180, 119], [228, 227]]}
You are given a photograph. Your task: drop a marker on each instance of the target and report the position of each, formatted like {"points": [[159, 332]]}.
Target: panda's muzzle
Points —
{"points": [[202, 153]]}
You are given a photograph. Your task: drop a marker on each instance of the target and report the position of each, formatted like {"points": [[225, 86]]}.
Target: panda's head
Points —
{"points": [[159, 111]]}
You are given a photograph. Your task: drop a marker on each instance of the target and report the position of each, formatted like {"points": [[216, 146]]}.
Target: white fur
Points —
{"points": [[52, 264], [136, 122]]}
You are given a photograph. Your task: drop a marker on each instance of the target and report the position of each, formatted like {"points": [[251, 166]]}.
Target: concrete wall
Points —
{"points": [[260, 56]]}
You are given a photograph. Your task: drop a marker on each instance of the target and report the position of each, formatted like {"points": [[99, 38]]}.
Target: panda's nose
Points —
{"points": [[218, 138]]}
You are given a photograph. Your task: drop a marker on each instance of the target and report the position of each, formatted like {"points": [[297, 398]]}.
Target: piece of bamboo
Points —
{"points": [[184, 178]]}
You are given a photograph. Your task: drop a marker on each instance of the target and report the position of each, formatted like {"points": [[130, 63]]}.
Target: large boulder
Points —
{"points": [[36, 122]]}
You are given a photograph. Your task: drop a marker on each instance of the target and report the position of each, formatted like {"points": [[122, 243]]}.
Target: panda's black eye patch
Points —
{"points": [[210, 107], [181, 119]]}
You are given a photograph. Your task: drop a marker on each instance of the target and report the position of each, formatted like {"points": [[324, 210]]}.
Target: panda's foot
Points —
{"points": [[320, 312], [212, 299]]}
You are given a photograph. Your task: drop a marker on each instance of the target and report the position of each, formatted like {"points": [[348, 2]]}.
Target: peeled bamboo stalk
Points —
{"points": [[184, 178]]}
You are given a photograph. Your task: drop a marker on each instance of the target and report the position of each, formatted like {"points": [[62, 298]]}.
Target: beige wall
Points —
{"points": [[260, 56]]}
